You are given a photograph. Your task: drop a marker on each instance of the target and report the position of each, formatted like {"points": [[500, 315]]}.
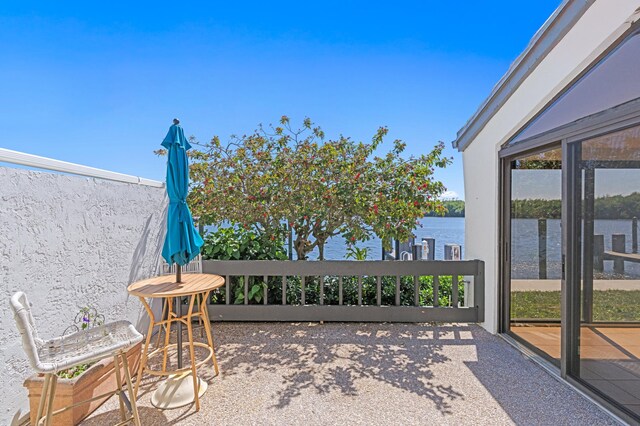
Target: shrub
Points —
{"points": [[234, 243], [321, 187]]}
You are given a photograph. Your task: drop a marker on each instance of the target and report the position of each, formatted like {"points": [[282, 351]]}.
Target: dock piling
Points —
{"points": [[618, 244], [634, 235], [542, 249]]}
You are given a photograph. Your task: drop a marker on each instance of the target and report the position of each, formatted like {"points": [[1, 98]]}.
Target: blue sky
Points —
{"points": [[98, 84]]}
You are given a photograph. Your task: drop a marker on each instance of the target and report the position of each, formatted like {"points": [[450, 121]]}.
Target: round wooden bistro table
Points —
{"points": [[198, 288]]}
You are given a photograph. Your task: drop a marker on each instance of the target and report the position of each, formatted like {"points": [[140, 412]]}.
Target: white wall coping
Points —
{"points": [[23, 159]]}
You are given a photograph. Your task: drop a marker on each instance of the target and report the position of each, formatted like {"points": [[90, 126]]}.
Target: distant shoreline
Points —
{"points": [[613, 207], [455, 208]]}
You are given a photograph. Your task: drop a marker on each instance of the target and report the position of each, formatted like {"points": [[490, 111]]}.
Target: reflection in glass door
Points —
{"points": [[609, 275], [536, 251]]}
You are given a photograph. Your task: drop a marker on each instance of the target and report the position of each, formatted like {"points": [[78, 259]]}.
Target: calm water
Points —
{"points": [[450, 230], [524, 247], [445, 230]]}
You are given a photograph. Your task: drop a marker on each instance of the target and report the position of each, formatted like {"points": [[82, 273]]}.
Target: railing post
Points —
{"points": [[436, 290], [266, 287], [246, 289], [455, 291], [478, 290], [468, 293], [284, 289]]}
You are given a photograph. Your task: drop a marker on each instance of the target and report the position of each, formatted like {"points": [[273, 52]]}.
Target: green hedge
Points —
{"points": [[331, 288], [234, 243]]}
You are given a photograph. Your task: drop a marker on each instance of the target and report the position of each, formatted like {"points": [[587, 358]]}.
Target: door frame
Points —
{"points": [[615, 119], [504, 237], [568, 137]]}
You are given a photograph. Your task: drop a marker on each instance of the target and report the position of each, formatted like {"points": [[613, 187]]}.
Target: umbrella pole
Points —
{"points": [[179, 309]]}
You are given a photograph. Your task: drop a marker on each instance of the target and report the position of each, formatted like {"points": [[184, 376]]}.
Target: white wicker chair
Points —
{"points": [[50, 356]]}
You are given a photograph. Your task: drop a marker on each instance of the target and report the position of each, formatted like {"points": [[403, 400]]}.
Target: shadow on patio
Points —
{"points": [[282, 373]]}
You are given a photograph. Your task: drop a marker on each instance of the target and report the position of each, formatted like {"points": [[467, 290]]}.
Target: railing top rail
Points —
{"points": [[23, 159], [342, 267]]}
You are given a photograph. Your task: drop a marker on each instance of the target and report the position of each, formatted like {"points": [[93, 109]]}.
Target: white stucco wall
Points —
{"points": [[602, 23], [69, 242]]}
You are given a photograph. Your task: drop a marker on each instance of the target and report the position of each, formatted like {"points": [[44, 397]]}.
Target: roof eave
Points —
{"points": [[543, 42]]}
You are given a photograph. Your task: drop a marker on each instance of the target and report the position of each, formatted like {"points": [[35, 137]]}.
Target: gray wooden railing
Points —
{"points": [[424, 291]]}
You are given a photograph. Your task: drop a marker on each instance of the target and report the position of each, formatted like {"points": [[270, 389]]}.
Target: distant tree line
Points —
{"points": [[454, 208], [536, 208], [607, 207]]}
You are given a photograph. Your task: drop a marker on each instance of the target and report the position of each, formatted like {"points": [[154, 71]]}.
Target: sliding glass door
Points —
{"points": [[571, 259], [535, 250], [606, 276], [570, 204]]}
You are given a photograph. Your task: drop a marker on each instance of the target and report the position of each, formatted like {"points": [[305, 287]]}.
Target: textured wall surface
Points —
{"points": [[69, 242]]}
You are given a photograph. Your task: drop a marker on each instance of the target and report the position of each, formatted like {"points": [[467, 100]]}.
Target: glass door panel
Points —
{"points": [[536, 251], [609, 338]]}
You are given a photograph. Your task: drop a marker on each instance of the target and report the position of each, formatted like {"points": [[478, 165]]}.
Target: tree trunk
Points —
{"points": [[300, 247], [320, 244]]}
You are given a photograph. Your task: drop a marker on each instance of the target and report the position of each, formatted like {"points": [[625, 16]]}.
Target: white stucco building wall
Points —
{"points": [[70, 242], [602, 23]]}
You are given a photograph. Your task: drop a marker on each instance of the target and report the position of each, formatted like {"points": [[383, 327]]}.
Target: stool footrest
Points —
{"points": [[179, 371]]}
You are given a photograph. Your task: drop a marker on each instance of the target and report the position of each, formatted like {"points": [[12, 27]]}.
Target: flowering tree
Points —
{"points": [[321, 188]]}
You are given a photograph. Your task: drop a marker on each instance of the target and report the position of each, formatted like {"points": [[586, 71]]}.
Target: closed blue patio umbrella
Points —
{"points": [[182, 242]]}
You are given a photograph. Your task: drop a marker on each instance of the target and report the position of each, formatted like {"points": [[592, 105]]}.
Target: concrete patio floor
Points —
{"points": [[335, 373]]}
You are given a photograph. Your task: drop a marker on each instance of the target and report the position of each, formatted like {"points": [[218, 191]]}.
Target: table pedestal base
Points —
{"points": [[177, 391]]}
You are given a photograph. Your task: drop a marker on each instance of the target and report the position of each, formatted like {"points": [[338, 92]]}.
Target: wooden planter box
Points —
{"points": [[98, 379]]}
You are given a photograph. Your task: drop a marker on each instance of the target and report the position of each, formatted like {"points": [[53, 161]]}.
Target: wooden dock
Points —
{"points": [[628, 257]]}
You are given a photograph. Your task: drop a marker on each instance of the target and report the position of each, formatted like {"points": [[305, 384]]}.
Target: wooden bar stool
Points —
{"points": [[197, 288]]}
